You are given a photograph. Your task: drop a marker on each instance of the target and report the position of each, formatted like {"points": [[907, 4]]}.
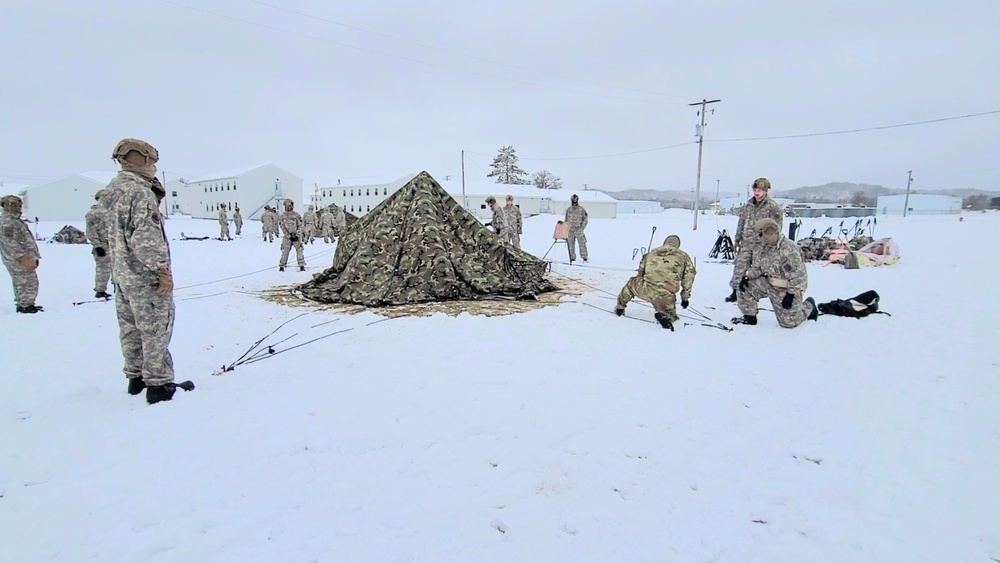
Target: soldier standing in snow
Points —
{"points": [[267, 223], [778, 273], [326, 225], [97, 233], [20, 255], [512, 223], [309, 225], [497, 222], [576, 218], [144, 282], [291, 225], [339, 221], [747, 240], [662, 273], [238, 220], [223, 224]]}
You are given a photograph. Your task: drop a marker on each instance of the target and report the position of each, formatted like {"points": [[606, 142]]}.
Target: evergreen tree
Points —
{"points": [[505, 168]]}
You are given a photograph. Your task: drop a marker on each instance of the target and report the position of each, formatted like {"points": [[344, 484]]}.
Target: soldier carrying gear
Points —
{"points": [[662, 273], [19, 253], [576, 218], [778, 273], [97, 233], [223, 224], [512, 223], [291, 224], [747, 239]]}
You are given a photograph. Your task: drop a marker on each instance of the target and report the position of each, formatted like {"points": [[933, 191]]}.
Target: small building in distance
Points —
{"points": [[919, 204], [251, 188], [64, 199]]}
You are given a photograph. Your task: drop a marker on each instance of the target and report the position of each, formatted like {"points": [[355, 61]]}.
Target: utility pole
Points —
{"points": [[906, 202], [701, 140], [166, 195], [717, 202], [464, 203]]}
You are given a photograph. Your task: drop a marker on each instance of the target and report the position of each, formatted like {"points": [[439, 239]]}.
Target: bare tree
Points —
{"points": [[505, 168], [546, 180], [862, 199]]}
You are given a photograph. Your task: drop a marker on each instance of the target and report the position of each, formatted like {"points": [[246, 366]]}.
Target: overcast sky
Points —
{"points": [[384, 88]]}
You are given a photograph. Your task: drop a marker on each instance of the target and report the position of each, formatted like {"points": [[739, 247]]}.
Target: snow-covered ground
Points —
{"points": [[563, 434]]}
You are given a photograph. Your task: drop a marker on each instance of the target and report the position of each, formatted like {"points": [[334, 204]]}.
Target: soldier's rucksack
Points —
{"points": [[856, 307]]}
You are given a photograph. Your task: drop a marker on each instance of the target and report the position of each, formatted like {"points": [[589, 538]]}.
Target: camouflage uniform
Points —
{"points": [[776, 271], [268, 220], [326, 226], [498, 221], [339, 221], [238, 221], [97, 233], [747, 238], [576, 218], [512, 225], [291, 225], [17, 244], [140, 255], [309, 225], [224, 225], [662, 273]]}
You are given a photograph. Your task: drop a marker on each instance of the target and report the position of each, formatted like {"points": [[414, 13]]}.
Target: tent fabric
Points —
{"points": [[70, 235], [882, 252], [419, 245]]}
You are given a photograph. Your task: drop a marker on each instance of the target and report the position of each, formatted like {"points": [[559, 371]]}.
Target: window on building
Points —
{"points": [[352, 193], [368, 191], [368, 209], [345, 193], [352, 209], [483, 206], [206, 190], [385, 191], [206, 209], [234, 186], [173, 194]]}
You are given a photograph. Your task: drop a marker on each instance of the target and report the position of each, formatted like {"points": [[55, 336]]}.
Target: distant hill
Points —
{"points": [[834, 192], [664, 195]]}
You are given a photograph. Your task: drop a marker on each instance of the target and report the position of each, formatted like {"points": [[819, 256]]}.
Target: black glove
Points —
{"points": [[488, 224], [684, 303], [293, 238], [786, 303], [100, 252], [744, 283]]}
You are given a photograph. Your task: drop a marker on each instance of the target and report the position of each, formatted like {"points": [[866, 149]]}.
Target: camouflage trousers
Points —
{"points": [[286, 246], [511, 236], [25, 283], [146, 324], [328, 235], [102, 272], [224, 231], [663, 303], [239, 227], [268, 233], [742, 263], [572, 239], [309, 232], [760, 288]]}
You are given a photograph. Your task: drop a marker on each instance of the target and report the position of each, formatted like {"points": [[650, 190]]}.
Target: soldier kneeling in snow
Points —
{"points": [[778, 273], [662, 273]]}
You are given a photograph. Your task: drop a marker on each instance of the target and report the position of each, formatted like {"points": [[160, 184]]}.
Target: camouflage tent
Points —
{"points": [[70, 235], [420, 245]]}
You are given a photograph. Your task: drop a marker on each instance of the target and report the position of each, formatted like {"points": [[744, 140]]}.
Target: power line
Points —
{"points": [[602, 155], [373, 51], [452, 52], [953, 118]]}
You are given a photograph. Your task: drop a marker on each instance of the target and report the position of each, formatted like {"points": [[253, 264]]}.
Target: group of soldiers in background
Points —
{"points": [[224, 223], [506, 221], [327, 222]]}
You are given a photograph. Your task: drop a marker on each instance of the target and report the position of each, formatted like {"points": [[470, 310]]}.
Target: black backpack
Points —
{"points": [[857, 307]]}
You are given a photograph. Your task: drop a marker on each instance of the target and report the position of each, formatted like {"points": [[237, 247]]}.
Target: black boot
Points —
{"points": [[135, 385], [619, 311], [102, 295], [732, 297], [745, 320], [664, 321], [157, 393], [815, 312], [30, 309], [302, 268], [281, 268]]}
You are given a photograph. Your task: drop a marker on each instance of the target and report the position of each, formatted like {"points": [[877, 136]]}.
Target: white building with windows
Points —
{"points": [[358, 198], [65, 199], [250, 188], [529, 199], [599, 205]]}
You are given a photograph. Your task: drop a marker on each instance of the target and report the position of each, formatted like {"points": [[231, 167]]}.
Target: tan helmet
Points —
{"points": [[142, 147], [8, 199], [765, 224], [762, 183], [491, 200], [672, 240], [289, 205]]}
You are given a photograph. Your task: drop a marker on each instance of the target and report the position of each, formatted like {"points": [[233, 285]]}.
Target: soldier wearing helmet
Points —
{"points": [[777, 272], [97, 234], [144, 283], [747, 239], [498, 221], [576, 218], [291, 225], [309, 225], [19, 253]]}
